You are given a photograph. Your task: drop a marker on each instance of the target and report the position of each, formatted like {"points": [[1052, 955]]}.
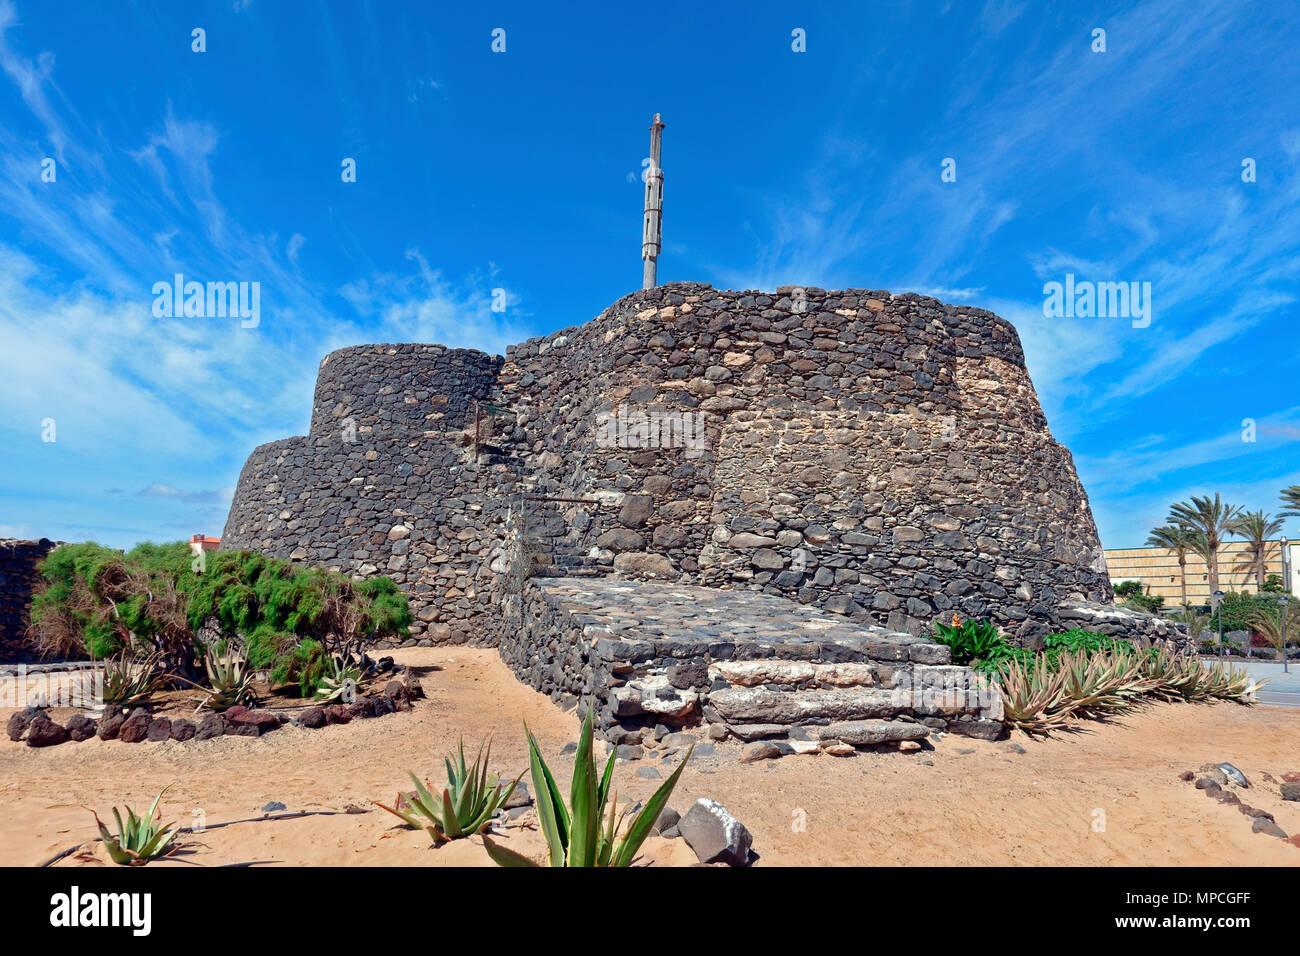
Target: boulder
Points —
{"points": [[160, 728], [81, 727], [763, 750], [43, 732], [250, 723], [337, 714], [715, 835], [1267, 827], [362, 707], [1291, 790], [667, 822], [183, 729], [312, 718], [134, 729], [213, 725], [17, 725], [110, 725], [689, 673], [519, 797]]}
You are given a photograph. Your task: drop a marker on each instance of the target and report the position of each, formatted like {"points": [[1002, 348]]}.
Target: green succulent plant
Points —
{"points": [[1100, 682], [230, 679], [1033, 695], [131, 679], [589, 830], [1187, 677], [340, 674], [138, 839], [467, 804]]}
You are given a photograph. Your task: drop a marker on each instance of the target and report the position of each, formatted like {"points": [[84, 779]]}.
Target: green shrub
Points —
{"points": [[969, 640], [1081, 640], [290, 619]]}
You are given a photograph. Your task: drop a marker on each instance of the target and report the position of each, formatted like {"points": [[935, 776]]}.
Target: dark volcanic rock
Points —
{"points": [[212, 725], [81, 727], [362, 707], [160, 728], [134, 729], [183, 729], [250, 723], [312, 718], [17, 725], [110, 725], [43, 732]]}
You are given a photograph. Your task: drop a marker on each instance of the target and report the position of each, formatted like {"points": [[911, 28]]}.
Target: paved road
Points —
{"points": [[1282, 690]]}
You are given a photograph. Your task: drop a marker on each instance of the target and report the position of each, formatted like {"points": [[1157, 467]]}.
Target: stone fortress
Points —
{"points": [[649, 506]]}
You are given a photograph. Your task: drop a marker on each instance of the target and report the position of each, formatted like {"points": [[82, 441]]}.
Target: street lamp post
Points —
{"points": [[1285, 602], [1217, 598]]}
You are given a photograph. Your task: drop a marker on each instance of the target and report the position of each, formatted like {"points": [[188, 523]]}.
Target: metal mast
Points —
{"points": [[652, 223]]}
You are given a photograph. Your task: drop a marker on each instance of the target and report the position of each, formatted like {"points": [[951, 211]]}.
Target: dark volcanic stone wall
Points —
{"points": [[384, 483], [18, 576], [881, 456]]}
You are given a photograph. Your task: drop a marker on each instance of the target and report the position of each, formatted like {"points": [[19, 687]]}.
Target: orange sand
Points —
{"points": [[990, 806]]}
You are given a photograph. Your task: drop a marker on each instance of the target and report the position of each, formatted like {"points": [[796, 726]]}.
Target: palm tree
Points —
{"points": [[1291, 502], [1256, 527], [1267, 620], [1180, 541], [1212, 521]]}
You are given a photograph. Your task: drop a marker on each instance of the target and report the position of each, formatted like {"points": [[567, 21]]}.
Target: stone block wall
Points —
{"points": [[18, 577], [386, 483], [879, 456]]}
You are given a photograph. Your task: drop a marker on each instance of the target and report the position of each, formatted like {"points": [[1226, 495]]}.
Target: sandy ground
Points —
{"points": [[1109, 794]]}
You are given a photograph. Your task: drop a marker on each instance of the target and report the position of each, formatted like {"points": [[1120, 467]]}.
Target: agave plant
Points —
{"points": [[465, 807], [342, 673], [1033, 695], [1102, 681], [130, 679], [589, 830], [230, 679], [139, 839]]}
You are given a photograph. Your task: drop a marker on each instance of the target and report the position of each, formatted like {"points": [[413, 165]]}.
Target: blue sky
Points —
{"points": [[520, 170]]}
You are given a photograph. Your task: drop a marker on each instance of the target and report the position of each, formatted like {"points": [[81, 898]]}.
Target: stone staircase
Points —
{"points": [[749, 665]]}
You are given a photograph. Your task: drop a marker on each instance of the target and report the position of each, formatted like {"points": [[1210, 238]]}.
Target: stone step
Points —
{"points": [[753, 664], [868, 733], [768, 705]]}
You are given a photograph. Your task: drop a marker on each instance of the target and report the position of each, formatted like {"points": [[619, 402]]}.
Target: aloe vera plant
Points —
{"points": [[1102, 681], [229, 678], [344, 672], [138, 839], [469, 801], [589, 830], [130, 679], [1033, 695]]}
